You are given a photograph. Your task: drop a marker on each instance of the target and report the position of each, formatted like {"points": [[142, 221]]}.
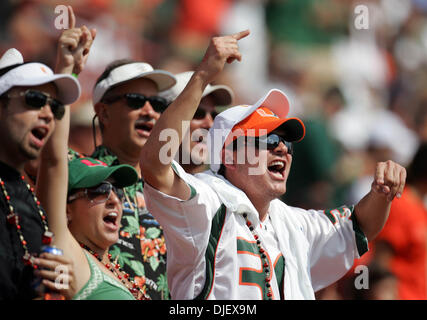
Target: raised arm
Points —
{"points": [[156, 171], [52, 180], [372, 211]]}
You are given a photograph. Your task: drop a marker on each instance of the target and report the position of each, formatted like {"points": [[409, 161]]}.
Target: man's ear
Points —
{"points": [[228, 159], [101, 109]]}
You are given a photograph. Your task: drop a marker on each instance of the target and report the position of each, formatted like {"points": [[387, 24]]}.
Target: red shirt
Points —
{"points": [[406, 231]]}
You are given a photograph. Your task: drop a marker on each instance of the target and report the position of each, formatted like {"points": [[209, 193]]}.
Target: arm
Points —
{"points": [[372, 211], [158, 174], [52, 182]]}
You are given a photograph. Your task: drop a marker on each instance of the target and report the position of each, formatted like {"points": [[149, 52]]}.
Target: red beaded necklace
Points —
{"points": [[264, 260], [13, 219], [124, 277]]}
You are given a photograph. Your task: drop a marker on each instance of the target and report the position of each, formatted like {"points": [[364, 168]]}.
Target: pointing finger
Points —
{"points": [[71, 17], [241, 34], [93, 33]]}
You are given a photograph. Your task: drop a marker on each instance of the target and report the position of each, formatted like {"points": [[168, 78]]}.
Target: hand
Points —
{"points": [[73, 46], [57, 274], [221, 50], [389, 179]]}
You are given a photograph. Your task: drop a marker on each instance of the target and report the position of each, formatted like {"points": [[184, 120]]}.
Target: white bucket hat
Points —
{"points": [[222, 94], [35, 74], [275, 100], [131, 71]]}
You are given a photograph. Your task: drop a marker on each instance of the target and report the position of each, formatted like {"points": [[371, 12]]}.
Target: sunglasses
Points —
{"points": [[38, 100], [270, 142], [136, 101], [201, 114], [99, 194]]}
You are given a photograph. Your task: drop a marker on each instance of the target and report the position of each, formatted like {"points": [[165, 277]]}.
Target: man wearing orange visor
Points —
{"points": [[228, 235]]}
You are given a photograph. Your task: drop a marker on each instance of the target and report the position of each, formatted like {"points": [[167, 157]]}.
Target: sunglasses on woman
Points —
{"points": [[270, 142], [99, 194], [36, 99], [136, 101]]}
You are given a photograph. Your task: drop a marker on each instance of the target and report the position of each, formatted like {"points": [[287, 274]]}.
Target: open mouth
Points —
{"points": [[111, 219], [277, 167], [38, 135], [144, 127]]}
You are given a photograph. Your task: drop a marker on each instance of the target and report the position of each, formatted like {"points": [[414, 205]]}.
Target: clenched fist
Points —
{"points": [[389, 179]]}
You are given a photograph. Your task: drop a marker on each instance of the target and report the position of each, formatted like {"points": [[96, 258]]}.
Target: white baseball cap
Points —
{"points": [[131, 71], [275, 101], [35, 74], [222, 94]]}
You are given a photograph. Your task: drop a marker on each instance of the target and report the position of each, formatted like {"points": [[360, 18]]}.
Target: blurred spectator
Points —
{"points": [[311, 184], [401, 247], [404, 236]]}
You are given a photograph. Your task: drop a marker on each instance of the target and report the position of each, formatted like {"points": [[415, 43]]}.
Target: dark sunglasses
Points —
{"points": [[37, 100], [201, 114], [137, 101], [270, 142], [99, 194]]}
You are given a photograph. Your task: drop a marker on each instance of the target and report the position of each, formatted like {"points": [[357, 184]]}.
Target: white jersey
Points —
{"points": [[212, 252]]}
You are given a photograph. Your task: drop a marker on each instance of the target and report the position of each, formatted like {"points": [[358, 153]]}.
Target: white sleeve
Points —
{"points": [[186, 226], [335, 241]]}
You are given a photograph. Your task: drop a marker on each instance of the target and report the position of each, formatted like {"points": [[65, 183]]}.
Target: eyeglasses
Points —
{"points": [[201, 114], [270, 142], [137, 101], [37, 100], [99, 194]]}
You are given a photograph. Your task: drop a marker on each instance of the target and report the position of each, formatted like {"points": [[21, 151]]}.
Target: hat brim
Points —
{"points": [[163, 79], [292, 129], [68, 87], [123, 175]]}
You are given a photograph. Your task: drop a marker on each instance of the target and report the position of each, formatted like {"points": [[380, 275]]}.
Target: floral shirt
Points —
{"points": [[141, 249]]}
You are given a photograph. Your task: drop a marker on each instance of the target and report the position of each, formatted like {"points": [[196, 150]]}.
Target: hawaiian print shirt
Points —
{"points": [[141, 249]]}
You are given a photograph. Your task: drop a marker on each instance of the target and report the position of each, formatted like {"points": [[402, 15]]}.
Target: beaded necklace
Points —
{"points": [[264, 260], [124, 277], [13, 219]]}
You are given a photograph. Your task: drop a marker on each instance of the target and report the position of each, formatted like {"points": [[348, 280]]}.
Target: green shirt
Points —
{"points": [[101, 286]]}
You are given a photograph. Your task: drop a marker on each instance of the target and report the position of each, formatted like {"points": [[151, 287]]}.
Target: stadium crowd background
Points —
{"points": [[361, 93]]}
